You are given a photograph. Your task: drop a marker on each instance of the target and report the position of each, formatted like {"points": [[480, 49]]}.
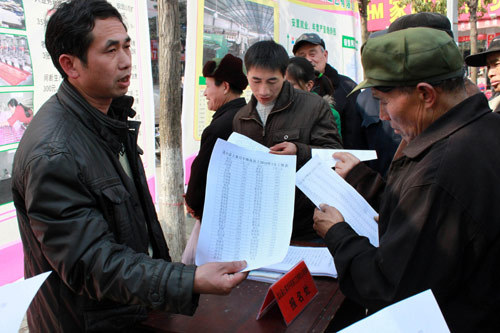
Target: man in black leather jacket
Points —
{"points": [[80, 191]]}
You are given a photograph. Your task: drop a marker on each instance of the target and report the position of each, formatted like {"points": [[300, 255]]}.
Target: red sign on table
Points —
{"points": [[292, 292]]}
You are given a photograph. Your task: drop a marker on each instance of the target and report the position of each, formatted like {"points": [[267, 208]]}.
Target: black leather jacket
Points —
{"points": [[82, 217]]}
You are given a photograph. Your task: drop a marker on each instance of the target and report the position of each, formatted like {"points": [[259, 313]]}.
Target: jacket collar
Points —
{"points": [[235, 103], [112, 127], [332, 74], [457, 117], [284, 100]]}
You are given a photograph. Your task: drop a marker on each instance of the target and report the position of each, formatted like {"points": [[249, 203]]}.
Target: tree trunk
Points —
{"points": [[363, 14], [171, 189], [472, 4]]}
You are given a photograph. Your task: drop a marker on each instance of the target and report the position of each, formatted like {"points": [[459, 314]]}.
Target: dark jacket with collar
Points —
{"points": [[439, 223], [83, 218], [302, 118], [220, 127], [350, 120], [377, 133]]}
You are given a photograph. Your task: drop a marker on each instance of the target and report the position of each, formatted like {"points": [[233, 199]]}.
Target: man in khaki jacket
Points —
{"points": [[287, 120]]}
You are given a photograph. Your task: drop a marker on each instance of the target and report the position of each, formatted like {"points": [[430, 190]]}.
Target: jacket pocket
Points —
{"points": [[113, 200], [286, 135]]}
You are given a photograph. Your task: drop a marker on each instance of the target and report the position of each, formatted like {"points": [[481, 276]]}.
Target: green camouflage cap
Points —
{"points": [[410, 56]]}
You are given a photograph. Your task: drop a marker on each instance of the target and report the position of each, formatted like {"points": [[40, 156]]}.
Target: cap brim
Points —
{"points": [[368, 83], [480, 59], [477, 60], [297, 46]]}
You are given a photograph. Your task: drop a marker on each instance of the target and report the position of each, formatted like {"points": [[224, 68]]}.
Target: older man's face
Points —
{"points": [[315, 54], [493, 63], [404, 111]]}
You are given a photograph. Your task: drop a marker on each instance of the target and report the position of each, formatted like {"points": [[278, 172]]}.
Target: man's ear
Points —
{"points": [[326, 55], [427, 94], [69, 64], [227, 87]]}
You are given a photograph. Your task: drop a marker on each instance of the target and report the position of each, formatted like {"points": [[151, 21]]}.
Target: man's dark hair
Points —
{"points": [[267, 54], [69, 30]]}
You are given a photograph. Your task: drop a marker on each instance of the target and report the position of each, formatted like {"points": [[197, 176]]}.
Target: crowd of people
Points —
{"points": [[85, 212]]}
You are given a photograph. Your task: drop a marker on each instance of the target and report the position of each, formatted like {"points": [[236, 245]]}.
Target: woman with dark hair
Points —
{"points": [[20, 113], [301, 74], [225, 83]]}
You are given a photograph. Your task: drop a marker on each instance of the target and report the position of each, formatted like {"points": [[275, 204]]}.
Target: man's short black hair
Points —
{"points": [[69, 30], [267, 54]]}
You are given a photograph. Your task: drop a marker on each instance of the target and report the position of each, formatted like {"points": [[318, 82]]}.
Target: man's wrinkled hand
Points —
{"points": [[345, 164], [325, 218], [284, 148], [218, 278]]}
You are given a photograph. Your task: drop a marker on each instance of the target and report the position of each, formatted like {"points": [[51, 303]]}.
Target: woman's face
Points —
{"points": [[214, 94], [12, 108]]}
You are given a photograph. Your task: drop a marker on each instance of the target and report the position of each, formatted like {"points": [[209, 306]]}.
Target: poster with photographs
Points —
{"points": [[16, 112], [6, 159], [15, 61], [12, 14], [218, 27]]}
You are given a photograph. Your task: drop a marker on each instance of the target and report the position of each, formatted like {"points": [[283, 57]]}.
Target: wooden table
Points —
{"points": [[237, 312]]}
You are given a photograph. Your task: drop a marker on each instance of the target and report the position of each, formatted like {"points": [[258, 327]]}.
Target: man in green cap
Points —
{"points": [[438, 214]]}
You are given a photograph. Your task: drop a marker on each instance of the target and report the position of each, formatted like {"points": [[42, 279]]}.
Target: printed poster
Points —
{"points": [[218, 27]]}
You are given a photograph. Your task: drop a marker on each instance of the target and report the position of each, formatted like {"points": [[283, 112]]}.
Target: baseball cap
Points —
{"points": [[229, 69], [479, 59], [409, 56], [310, 38]]}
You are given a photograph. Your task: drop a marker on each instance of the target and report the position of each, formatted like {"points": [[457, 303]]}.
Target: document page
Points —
{"points": [[319, 261], [248, 210], [14, 301], [323, 185], [326, 154], [245, 142], [419, 313]]}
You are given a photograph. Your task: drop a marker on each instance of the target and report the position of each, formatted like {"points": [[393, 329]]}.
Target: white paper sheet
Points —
{"points": [[14, 301], [248, 211], [245, 142], [326, 154], [318, 260], [323, 185], [418, 314]]}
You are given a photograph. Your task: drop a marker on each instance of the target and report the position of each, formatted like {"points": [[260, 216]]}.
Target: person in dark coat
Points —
{"points": [[225, 82], [80, 191], [438, 216], [312, 47]]}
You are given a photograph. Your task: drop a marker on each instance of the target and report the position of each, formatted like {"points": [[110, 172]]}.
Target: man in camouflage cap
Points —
{"points": [[438, 222]]}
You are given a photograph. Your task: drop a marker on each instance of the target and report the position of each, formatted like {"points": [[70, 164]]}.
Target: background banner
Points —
{"points": [[217, 27]]}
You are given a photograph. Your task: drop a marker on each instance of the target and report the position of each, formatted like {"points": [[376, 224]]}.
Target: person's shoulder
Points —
{"points": [[49, 130], [309, 97], [347, 81]]}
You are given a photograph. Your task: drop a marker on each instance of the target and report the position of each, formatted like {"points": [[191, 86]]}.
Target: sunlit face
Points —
{"points": [[493, 63], [106, 75], [315, 54], [404, 111], [265, 83], [214, 94]]}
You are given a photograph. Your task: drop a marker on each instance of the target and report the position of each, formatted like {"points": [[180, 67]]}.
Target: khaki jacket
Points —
{"points": [[299, 117]]}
